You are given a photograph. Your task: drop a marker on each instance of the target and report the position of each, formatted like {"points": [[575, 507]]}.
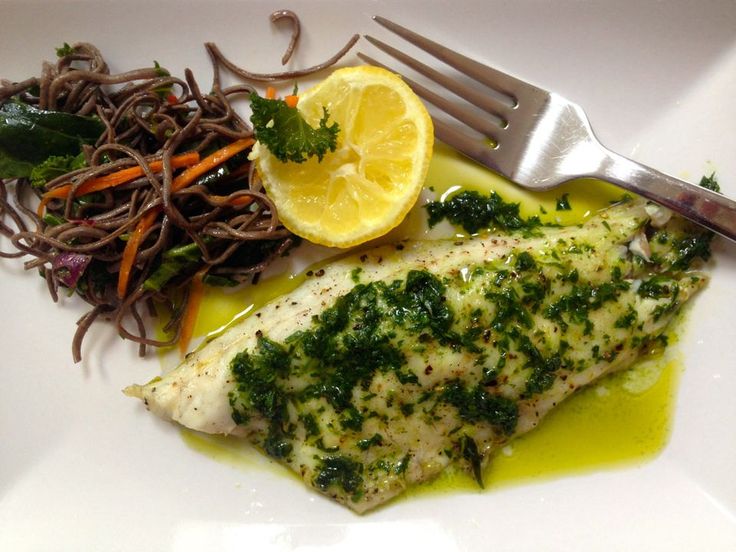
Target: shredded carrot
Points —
{"points": [[189, 320], [270, 93], [131, 249], [115, 179], [291, 100], [196, 290], [238, 201], [241, 201], [210, 162], [171, 99], [42, 206], [196, 168], [122, 176]]}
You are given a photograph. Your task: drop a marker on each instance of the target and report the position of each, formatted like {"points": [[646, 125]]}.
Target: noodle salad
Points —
{"points": [[134, 190]]}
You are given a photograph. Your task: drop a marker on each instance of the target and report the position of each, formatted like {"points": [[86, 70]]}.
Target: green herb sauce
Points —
{"points": [[637, 422]]}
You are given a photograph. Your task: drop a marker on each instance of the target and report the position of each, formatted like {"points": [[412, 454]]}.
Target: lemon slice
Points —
{"points": [[370, 182]]}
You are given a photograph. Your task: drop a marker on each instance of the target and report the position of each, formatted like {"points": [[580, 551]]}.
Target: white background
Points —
{"points": [[84, 468]]}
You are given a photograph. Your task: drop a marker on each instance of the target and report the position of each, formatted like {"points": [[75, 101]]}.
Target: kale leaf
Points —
{"points": [[287, 134], [55, 166], [29, 136]]}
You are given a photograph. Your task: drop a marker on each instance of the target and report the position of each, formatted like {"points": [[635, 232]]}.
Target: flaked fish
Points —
{"points": [[397, 363]]}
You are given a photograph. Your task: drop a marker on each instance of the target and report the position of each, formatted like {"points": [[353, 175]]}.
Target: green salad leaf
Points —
{"points": [[55, 166], [173, 262], [29, 136]]}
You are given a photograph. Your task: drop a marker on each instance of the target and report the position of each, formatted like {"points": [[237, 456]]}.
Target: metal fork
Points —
{"points": [[539, 139]]}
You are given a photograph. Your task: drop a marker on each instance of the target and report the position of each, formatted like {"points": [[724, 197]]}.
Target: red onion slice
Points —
{"points": [[68, 267]]}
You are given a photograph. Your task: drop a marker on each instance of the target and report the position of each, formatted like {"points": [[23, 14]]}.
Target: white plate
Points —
{"points": [[84, 468]]}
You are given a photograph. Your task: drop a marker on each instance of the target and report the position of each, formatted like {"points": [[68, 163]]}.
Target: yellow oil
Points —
{"points": [[622, 420], [222, 307], [232, 452], [605, 425], [226, 450], [450, 172]]}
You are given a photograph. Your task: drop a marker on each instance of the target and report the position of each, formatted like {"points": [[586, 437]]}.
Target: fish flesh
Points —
{"points": [[393, 364]]}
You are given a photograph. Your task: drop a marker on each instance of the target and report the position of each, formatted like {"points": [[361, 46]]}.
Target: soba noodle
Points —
{"points": [[147, 115]]}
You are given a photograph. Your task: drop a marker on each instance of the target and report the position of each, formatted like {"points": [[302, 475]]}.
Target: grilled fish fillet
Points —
{"points": [[389, 366]]}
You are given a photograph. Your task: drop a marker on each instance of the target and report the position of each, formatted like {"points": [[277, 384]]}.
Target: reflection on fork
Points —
{"points": [[538, 139]]}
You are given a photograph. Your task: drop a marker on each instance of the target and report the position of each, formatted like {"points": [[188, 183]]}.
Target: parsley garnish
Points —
{"points": [[65, 50], [286, 134], [710, 183], [563, 203], [474, 211]]}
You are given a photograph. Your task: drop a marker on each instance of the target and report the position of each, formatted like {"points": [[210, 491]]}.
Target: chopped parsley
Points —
{"points": [[342, 471], [365, 444], [525, 261], [469, 451], [543, 369], [656, 287], [690, 248], [258, 388], [710, 183], [65, 50], [627, 319], [475, 404], [365, 363], [575, 306], [474, 212]]}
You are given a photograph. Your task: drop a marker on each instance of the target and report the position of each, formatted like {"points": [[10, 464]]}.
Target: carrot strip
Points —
{"points": [[114, 179], [42, 206], [291, 100], [210, 162], [183, 180], [196, 168], [121, 177], [270, 93], [180, 182], [240, 201], [131, 249], [242, 170], [189, 320], [196, 290]]}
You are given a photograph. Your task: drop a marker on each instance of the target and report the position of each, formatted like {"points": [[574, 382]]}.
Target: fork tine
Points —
{"points": [[493, 78], [487, 103], [467, 145], [462, 114]]}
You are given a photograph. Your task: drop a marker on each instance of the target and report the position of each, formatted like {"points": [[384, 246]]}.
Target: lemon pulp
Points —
{"points": [[370, 182]]}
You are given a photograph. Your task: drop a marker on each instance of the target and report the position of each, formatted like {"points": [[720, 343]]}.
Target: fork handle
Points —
{"points": [[709, 209]]}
